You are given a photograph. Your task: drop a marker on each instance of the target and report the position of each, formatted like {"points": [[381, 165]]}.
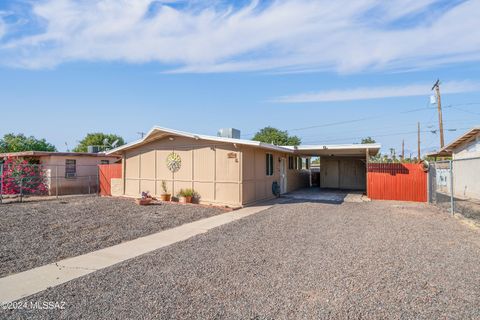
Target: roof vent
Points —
{"points": [[229, 133]]}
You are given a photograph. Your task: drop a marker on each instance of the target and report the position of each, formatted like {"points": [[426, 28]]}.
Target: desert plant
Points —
{"points": [[186, 193], [164, 187]]}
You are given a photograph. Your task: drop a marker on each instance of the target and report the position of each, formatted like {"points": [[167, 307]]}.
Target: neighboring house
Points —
{"points": [[229, 171], [465, 146], [67, 172], [465, 153]]}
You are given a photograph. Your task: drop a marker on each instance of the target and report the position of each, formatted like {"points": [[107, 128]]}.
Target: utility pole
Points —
{"points": [[142, 134], [403, 150], [418, 141], [436, 87]]}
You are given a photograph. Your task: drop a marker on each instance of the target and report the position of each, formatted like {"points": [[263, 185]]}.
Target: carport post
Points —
{"points": [[452, 203], [366, 169]]}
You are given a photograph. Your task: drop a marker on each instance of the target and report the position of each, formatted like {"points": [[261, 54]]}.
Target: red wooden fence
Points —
{"points": [[105, 174], [397, 181]]}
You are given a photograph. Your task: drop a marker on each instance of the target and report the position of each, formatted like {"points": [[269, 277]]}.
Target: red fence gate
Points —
{"points": [[397, 181], [105, 174]]}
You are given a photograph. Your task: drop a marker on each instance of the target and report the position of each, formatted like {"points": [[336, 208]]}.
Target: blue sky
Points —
{"points": [[327, 72]]}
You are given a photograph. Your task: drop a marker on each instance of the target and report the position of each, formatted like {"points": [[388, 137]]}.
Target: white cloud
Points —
{"points": [[367, 93], [284, 35], [3, 28]]}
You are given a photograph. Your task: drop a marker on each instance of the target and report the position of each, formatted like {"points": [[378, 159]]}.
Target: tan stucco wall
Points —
{"points": [[207, 168], [86, 180], [116, 187], [220, 172], [256, 185]]}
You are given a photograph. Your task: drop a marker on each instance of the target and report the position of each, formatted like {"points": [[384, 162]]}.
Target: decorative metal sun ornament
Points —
{"points": [[174, 162]]}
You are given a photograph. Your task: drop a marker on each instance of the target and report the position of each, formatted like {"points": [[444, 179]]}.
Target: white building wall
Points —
{"points": [[469, 149]]}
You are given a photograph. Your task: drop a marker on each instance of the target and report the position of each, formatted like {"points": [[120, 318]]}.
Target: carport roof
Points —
{"points": [[344, 150]]}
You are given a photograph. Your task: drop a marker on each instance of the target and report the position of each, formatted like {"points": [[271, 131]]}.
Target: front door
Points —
{"points": [[283, 175]]}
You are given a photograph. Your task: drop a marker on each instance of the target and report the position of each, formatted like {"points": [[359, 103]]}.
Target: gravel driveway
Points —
{"points": [[36, 233], [382, 260]]}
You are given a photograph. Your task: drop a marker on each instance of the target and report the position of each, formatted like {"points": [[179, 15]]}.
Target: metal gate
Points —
{"points": [[397, 181]]}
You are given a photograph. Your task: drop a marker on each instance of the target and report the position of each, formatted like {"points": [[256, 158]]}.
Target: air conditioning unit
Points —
{"points": [[93, 149], [229, 133], [70, 175]]}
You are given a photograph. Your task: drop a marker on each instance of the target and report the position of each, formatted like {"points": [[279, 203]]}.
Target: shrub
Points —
{"points": [[18, 176], [186, 193]]}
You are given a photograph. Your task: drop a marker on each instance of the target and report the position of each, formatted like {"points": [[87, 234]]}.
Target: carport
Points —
{"points": [[341, 166]]}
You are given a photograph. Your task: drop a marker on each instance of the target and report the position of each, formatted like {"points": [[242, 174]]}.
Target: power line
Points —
{"points": [[349, 121], [366, 118], [382, 135]]}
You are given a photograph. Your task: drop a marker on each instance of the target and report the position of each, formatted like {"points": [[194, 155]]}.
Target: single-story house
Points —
{"points": [[67, 172], [231, 171]]}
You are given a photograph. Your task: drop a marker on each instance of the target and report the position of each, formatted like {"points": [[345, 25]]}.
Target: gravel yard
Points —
{"points": [[380, 260], [36, 233]]}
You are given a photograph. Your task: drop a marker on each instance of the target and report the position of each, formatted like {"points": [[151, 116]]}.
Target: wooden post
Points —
{"points": [[436, 86], [403, 150], [418, 142]]}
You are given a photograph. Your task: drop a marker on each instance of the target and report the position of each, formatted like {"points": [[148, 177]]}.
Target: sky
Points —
{"points": [[330, 72]]}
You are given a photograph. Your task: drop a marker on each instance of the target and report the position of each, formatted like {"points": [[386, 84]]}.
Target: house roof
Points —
{"points": [[159, 132], [53, 154], [448, 149]]}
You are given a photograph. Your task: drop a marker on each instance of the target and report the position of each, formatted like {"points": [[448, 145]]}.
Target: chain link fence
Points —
{"points": [[454, 185], [20, 181]]}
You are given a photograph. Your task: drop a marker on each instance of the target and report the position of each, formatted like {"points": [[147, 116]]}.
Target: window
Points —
{"points": [[307, 163], [299, 163], [104, 161], [70, 168], [290, 162], [269, 164]]}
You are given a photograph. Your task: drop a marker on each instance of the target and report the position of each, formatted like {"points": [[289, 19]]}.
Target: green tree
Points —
{"points": [[102, 140], [276, 137], [368, 140], [19, 142]]}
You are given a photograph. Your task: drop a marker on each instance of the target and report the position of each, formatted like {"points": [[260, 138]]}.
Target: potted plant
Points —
{"points": [[186, 195], [165, 196], [145, 199]]}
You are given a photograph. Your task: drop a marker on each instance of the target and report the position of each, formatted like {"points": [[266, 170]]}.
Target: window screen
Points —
{"points": [[70, 168], [290, 162]]}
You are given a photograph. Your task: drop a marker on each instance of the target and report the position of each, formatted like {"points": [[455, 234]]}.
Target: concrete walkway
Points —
{"points": [[29, 282], [316, 194]]}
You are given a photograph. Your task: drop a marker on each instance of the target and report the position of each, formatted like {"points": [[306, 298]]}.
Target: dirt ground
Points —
{"points": [[310, 260], [36, 233]]}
